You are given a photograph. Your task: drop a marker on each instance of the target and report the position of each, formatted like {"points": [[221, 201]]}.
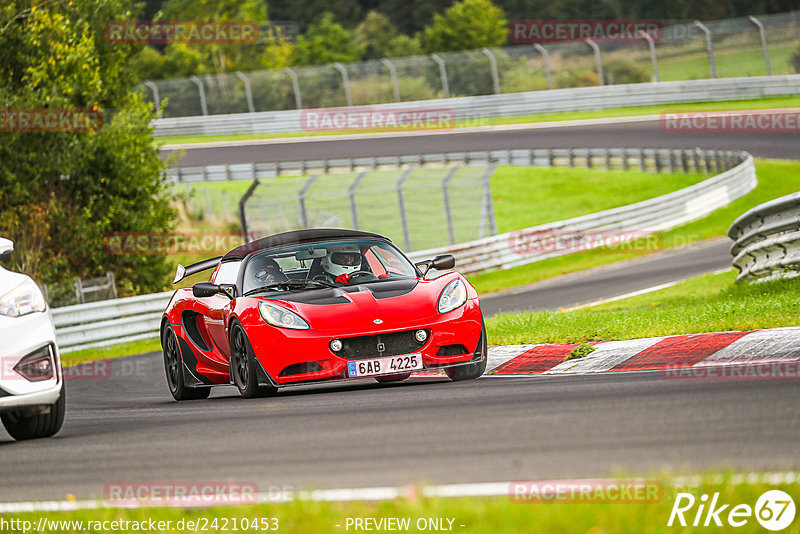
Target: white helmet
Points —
{"points": [[342, 259]]}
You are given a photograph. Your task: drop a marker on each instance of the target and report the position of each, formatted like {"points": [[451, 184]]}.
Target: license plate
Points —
{"points": [[385, 366]]}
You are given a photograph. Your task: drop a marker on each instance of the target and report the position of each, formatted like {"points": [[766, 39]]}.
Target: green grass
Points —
{"points": [[493, 515], [112, 351], [630, 111], [775, 179], [528, 196], [732, 62], [709, 303]]}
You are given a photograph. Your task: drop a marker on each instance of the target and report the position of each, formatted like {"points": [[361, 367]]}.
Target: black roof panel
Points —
{"points": [[295, 237]]}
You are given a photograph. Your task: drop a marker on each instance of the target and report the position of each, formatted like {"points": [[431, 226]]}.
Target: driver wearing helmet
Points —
{"points": [[341, 262], [265, 271]]}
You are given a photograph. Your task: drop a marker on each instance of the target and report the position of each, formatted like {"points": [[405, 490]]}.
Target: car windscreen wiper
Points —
{"points": [[285, 286]]}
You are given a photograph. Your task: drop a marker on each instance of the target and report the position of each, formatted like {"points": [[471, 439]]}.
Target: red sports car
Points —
{"points": [[318, 305]]}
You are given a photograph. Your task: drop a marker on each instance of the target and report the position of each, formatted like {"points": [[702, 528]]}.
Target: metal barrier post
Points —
{"points": [[443, 73], [546, 57], [346, 82], [709, 47], [351, 191], [493, 64], [154, 88], [401, 200], [393, 73], [652, 45], [298, 102], [242, 204], [201, 90], [598, 59], [763, 43], [301, 198], [247, 92], [446, 194]]}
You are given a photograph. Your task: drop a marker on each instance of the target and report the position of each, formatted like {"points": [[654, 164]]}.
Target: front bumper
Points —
{"points": [[19, 337], [301, 356]]}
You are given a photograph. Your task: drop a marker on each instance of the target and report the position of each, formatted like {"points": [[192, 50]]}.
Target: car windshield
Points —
{"points": [[327, 263]]}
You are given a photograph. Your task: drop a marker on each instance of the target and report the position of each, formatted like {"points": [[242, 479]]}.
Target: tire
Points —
{"points": [[173, 367], [42, 425], [470, 371], [392, 378], [243, 366]]}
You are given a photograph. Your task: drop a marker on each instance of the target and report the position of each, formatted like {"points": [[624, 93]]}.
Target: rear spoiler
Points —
{"points": [[195, 268]]}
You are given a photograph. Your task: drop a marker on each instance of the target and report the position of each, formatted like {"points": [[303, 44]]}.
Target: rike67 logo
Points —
{"points": [[774, 510]]}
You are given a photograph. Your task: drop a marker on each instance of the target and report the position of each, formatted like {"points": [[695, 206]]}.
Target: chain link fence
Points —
{"points": [[420, 207], [686, 50]]}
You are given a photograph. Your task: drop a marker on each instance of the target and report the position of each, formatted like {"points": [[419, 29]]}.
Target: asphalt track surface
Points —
{"points": [[617, 279], [633, 134], [128, 428]]}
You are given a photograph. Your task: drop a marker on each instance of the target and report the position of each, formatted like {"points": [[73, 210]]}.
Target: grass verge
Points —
{"points": [[763, 103], [112, 351], [775, 179], [469, 515], [709, 303]]}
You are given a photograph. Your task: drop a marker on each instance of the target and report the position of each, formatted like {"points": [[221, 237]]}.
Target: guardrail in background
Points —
{"points": [[481, 110], [655, 159], [767, 240], [110, 321], [678, 45], [128, 319]]}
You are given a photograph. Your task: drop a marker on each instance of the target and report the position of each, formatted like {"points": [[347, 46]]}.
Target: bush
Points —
{"points": [[625, 71], [575, 78]]}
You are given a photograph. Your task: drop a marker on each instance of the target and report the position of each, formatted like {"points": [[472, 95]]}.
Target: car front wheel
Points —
{"points": [[173, 365], [40, 425], [471, 370], [243, 366]]}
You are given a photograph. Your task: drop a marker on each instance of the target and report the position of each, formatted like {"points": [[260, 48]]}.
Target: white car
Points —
{"points": [[32, 394]]}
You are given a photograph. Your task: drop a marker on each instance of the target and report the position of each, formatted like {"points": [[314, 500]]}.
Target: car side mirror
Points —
{"points": [[6, 248], [208, 289], [439, 263]]}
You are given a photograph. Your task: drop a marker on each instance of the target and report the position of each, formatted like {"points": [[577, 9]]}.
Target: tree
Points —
{"points": [[467, 25], [325, 42], [64, 192], [378, 38]]}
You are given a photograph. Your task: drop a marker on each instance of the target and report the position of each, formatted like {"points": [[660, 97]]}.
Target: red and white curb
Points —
{"points": [[777, 345]]}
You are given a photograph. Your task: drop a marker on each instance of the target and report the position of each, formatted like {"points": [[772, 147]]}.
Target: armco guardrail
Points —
{"points": [[113, 321], [619, 224], [656, 159], [767, 240], [482, 109], [110, 321]]}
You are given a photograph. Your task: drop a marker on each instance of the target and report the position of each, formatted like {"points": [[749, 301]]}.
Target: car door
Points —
{"points": [[205, 322]]}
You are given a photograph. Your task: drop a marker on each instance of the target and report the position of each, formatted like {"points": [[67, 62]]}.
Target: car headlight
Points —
{"points": [[281, 317], [453, 296], [24, 299]]}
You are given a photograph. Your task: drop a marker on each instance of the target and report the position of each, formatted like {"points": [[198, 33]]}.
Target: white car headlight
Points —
{"points": [[453, 296], [24, 299], [281, 317]]}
